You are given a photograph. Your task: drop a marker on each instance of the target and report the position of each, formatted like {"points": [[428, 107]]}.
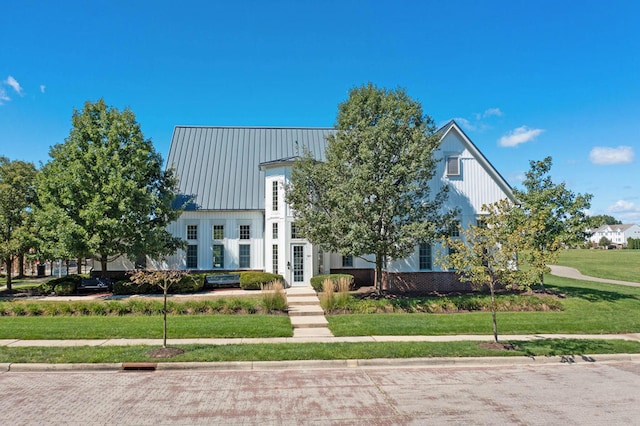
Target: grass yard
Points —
{"points": [[142, 326], [309, 351], [612, 264], [590, 308]]}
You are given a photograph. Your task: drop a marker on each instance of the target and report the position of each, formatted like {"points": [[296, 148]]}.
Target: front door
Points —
{"points": [[297, 270]]}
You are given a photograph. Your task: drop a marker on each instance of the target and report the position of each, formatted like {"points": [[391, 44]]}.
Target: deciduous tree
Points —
{"points": [[372, 195], [487, 255], [554, 216], [106, 186], [17, 199]]}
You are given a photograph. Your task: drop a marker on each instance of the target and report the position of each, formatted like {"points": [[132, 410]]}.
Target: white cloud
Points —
{"points": [[608, 156], [520, 135], [10, 81], [492, 112], [42, 88], [465, 124], [621, 206], [3, 96], [625, 211]]}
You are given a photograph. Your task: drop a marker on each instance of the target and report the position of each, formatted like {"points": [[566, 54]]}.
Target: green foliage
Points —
{"points": [[633, 243], [150, 284], [604, 242], [273, 297], [602, 219], [17, 201], [105, 190], [256, 280], [372, 194], [553, 217], [63, 286], [318, 280]]}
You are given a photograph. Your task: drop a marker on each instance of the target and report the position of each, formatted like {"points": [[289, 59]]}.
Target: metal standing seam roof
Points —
{"points": [[218, 166]]}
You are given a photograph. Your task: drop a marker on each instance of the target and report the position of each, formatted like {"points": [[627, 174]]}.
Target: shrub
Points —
{"points": [[273, 297], [327, 300], [189, 283], [317, 282], [63, 286], [256, 280]]}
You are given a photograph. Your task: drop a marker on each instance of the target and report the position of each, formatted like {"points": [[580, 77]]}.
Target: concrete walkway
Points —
{"points": [[13, 343], [567, 272], [306, 314]]}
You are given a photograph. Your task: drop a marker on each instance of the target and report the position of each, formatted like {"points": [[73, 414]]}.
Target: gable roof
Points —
{"points": [[452, 126], [219, 166], [616, 227]]}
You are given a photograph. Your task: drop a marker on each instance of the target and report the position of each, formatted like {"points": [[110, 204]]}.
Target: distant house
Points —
{"points": [[239, 220], [617, 234]]}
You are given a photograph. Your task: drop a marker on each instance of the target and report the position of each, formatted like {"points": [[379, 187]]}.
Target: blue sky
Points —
{"points": [[524, 79]]}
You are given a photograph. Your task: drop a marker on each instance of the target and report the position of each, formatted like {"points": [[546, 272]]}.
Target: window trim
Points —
{"points": [[274, 230], [457, 163], [213, 264], [192, 230], [428, 257], [347, 261], [246, 256], [242, 235], [213, 231], [191, 257], [274, 196]]}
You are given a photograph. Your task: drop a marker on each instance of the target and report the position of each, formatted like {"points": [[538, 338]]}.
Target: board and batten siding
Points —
{"points": [[231, 220]]}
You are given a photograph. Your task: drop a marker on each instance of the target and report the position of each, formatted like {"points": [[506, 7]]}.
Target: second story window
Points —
{"points": [[454, 230], [347, 261], [218, 232], [245, 232], [274, 196], [295, 233], [453, 166], [192, 232], [274, 231]]}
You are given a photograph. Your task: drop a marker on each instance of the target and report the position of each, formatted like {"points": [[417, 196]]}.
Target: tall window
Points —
{"points": [[274, 196], [192, 232], [347, 261], [192, 256], [275, 258], [218, 256], [274, 231], [454, 230], [218, 232], [245, 232], [425, 256], [294, 231], [244, 260]]}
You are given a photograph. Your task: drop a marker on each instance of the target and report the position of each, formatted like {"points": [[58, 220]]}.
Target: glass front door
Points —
{"points": [[298, 263]]}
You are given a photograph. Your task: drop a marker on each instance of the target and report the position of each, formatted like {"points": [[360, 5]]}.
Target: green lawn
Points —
{"points": [[141, 326], [309, 351], [591, 308], [612, 264]]}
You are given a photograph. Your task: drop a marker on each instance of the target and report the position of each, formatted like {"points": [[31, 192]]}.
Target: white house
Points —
{"points": [[617, 234], [238, 219]]}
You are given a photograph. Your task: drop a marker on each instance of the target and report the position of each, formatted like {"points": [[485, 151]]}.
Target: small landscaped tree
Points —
{"points": [[372, 195], [162, 279], [487, 255], [554, 217], [604, 242]]}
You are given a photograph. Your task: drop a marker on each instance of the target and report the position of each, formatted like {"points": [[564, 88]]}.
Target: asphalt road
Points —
{"points": [[581, 393]]}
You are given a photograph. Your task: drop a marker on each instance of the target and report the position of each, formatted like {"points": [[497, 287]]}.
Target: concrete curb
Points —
{"points": [[329, 364]]}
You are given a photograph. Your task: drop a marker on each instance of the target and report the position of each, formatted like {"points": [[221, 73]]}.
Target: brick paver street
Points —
{"points": [[584, 393]]}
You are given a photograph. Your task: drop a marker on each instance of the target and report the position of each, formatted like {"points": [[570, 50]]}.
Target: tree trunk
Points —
{"points": [[8, 261], [103, 265], [164, 312], [493, 311], [378, 274], [21, 265], [79, 263]]}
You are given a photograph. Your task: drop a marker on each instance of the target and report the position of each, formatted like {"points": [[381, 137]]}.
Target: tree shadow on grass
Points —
{"points": [[592, 295], [565, 347]]}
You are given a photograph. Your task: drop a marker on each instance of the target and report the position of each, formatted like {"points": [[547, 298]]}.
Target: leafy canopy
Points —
{"points": [[372, 195], [105, 186]]}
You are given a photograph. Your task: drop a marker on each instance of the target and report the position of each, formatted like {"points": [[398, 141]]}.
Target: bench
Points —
{"points": [[95, 284], [222, 280]]}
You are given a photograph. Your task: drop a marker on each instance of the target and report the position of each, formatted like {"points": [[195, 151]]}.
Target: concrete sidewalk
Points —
{"points": [[567, 272], [357, 339]]}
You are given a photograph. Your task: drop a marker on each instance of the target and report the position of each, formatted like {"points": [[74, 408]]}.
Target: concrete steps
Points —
{"points": [[306, 314]]}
